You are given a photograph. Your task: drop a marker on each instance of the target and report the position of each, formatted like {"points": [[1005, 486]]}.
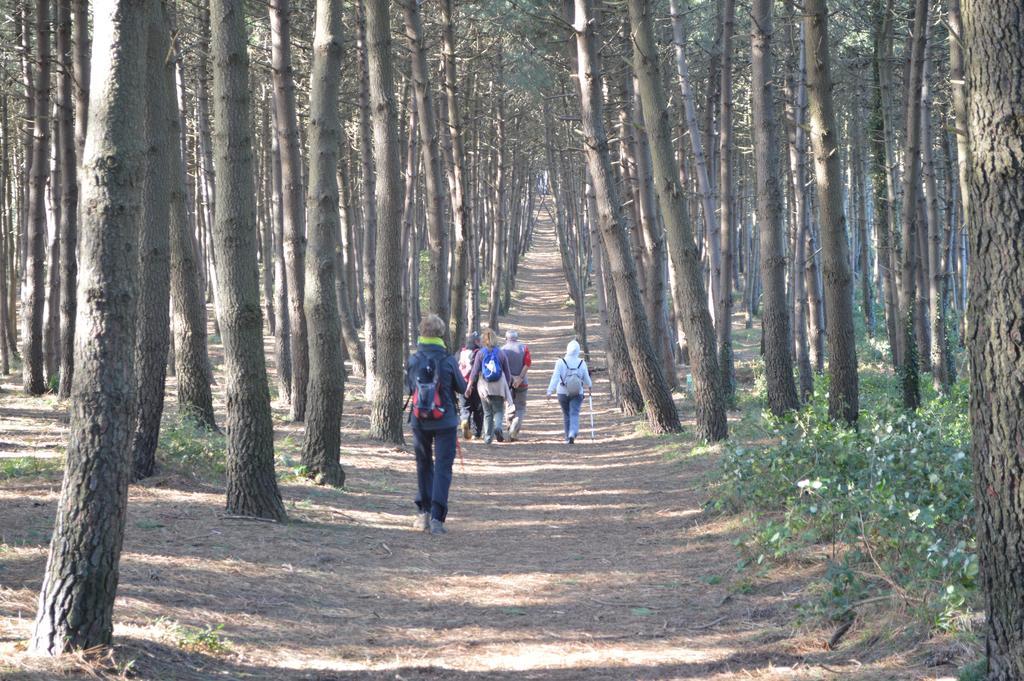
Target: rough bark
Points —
{"points": [[282, 332], [993, 31], [287, 131], [909, 303], [251, 483], [778, 359], [710, 405], [386, 410], [461, 215], [80, 582], [369, 204], [321, 449], [153, 337], [34, 295], [843, 401], [658, 404], [433, 177], [726, 225], [69, 197]]}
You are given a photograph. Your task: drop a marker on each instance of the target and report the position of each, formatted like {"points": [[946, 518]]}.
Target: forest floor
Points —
{"points": [[592, 562]]}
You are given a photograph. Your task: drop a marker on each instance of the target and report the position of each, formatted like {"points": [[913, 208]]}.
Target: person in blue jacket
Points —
{"points": [[433, 380]]}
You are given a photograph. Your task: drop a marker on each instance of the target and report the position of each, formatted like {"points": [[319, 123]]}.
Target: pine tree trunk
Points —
{"points": [[711, 419], [433, 178], [386, 410], [251, 483], [153, 338], [726, 226], [993, 31], [909, 304], [321, 450], [659, 406], [34, 294], [369, 201], [456, 179], [80, 581], [500, 189], [287, 131], [69, 199], [843, 401], [880, 177], [778, 360], [282, 334]]}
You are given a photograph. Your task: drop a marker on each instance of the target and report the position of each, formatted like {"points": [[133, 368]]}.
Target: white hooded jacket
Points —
{"points": [[571, 360]]}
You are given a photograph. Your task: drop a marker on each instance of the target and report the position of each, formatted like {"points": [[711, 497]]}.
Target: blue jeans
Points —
{"points": [[494, 413], [571, 414], [435, 454]]}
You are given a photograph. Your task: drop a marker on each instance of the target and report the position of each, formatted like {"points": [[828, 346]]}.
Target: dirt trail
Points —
{"points": [[586, 562]]}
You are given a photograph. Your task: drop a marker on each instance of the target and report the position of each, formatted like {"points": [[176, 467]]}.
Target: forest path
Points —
{"points": [[588, 562]]}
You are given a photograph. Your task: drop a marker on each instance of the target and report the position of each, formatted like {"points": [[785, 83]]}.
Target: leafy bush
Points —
{"points": [[893, 499], [189, 447]]}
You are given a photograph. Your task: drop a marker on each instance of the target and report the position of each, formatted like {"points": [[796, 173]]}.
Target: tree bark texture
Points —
{"points": [[710, 404], [251, 482], [778, 358], [34, 296], [76, 602], [843, 403], [726, 221], [69, 198], [287, 130], [153, 337], [658, 404], [321, 450], [993, 31], [386, 410]]}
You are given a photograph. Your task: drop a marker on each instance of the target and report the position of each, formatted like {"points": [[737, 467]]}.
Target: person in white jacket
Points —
{"points": [[570, 380]]}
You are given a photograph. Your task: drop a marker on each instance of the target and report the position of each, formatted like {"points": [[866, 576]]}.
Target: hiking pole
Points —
{"points": [[592, 436]]}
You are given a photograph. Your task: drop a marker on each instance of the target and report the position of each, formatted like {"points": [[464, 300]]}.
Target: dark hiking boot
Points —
{"points": [[422, 522], [437, 526], [499, 436], [572, 440]]}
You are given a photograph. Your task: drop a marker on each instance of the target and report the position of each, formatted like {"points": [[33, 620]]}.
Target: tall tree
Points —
{"points": [[76, 602], [321, 449], [153, 338], [658, 404], [727, 230], [909, 292], [778, 359], [843, 401], [68, 195], [461, 215], [993, 31], [33, 298], [251, 483], [433, 178], [287, 131], [386, 412], [710, 404]]}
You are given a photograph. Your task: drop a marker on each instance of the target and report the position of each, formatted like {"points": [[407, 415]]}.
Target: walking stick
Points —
{"points": [[592, 436]]}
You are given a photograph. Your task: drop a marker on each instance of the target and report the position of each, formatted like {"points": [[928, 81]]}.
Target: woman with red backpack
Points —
{"points": [[433, 381], [492, 378]]}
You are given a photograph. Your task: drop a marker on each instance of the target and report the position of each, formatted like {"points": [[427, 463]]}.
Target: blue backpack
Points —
{"points": [[490, 365]]}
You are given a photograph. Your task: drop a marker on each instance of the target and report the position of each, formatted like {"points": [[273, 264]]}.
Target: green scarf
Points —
{"points": [[430, 340]]}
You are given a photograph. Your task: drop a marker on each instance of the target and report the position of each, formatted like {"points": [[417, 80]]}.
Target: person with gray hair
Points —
{"points": [[519, 361]]}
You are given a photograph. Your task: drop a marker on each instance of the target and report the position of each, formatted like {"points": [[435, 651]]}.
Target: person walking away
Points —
{"points": [[471, 411], [519, 361], [491, 377], [433, 380], [569, 380]]}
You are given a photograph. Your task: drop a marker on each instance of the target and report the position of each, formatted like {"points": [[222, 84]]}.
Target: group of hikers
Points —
{"points": [[476, 393]]}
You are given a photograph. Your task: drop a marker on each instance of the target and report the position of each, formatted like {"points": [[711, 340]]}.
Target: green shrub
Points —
{"points": [[892, 499], [187, 446]]}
